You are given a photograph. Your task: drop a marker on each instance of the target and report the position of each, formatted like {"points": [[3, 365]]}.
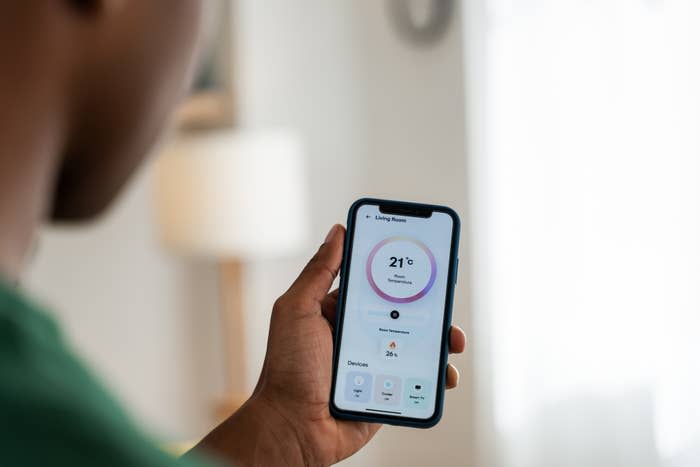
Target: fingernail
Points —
{"points": [[331, 233]]}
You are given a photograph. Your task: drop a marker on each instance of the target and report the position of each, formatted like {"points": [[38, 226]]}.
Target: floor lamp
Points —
{"points": [[232, 196]]}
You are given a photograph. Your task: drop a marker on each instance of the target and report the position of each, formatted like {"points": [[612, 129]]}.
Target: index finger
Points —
{"points": [[317, 277]]}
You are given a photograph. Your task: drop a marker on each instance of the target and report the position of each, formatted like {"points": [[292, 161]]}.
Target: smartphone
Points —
{"points": [[394, 313]]}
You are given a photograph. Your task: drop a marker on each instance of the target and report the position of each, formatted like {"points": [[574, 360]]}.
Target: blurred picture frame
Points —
{"points": [[210, 103]]}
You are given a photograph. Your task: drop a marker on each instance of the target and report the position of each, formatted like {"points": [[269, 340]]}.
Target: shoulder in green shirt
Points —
{"points": [[53, 412]]}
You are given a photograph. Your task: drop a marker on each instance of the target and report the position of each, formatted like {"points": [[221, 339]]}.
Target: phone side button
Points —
{"points": [[456, 270]]}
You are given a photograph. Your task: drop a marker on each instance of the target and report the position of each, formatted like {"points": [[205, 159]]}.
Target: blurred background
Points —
{"points": [[565, 133]]}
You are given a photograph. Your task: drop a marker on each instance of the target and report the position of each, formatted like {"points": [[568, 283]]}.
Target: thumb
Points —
{"points": [[316, 279]]}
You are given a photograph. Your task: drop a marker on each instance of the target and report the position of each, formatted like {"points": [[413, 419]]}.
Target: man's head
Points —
{"points": [[108, 72]]}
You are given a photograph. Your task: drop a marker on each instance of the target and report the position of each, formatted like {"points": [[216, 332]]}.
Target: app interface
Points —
{"points": [[394, 312]]}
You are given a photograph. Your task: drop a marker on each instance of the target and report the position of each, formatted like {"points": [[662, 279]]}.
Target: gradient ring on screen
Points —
{"points": [[385, 295]]}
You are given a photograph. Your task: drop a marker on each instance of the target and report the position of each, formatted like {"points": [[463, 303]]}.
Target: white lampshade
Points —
{"points": [[232, 193]]}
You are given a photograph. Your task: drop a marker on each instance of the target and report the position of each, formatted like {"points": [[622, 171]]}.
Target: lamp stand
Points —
{"points": [[233, 322]]}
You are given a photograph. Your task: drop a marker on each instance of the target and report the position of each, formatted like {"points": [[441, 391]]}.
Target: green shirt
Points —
{"points": [[53, 412]]}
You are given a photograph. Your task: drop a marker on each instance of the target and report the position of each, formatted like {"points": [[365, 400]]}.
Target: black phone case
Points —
{"points": [[449, 297]]}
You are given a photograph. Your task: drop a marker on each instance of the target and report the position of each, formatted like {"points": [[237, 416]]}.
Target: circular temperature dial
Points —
{"points": [[401, 270]]}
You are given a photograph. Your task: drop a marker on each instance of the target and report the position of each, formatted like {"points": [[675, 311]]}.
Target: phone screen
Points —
{"points": [[392, 331]]}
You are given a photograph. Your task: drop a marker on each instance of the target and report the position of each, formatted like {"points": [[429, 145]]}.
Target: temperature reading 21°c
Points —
{"points": [[395, 262]]}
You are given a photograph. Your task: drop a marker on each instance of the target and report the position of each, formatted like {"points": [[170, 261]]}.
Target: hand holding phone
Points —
{"points": [[287, 419]]}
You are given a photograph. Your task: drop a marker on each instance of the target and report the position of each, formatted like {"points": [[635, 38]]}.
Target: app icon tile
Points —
{"points": [[358, 386], [418, 393], [387, 390]]}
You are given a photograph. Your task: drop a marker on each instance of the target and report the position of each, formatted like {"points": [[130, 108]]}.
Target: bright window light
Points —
{"points": [[588, 230]]}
